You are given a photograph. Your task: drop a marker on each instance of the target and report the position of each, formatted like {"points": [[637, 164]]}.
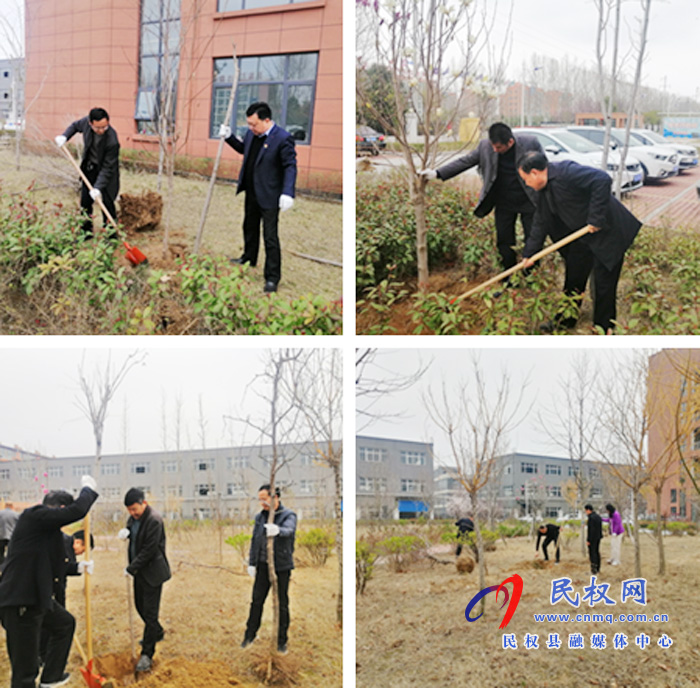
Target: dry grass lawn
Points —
{"points": [[411, 629], [312, 226], [204, 611]]}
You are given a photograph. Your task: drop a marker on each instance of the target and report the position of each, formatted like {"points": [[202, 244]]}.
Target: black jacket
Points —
{"points": [[487, 159], [595, 527], [578, 195], [69, 568], [465, 525], [286, 519], [107, 154], [150, 560], [275, 166], [36, 555], [551, 534]]}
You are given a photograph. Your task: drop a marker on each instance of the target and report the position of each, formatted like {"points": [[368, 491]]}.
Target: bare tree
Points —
{"points": [[432, 49], [570, 423], [97, 391], [476, 421]]}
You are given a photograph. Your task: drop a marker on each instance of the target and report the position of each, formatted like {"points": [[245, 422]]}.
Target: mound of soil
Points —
{"points": [[141, 213]]}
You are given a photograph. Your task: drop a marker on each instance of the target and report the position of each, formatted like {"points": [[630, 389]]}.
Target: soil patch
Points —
{"points": [[141, 212]]}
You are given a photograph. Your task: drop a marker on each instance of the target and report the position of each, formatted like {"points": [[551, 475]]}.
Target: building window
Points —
{"points": [[674, 496], [237, 5], [508, 491], [410, 485], [82, 470], [109, 469], [307, 486], [204, 490], [593, 473], [287, 83], [235, 489], [307, 460], [170, 466], [596, 492], [204, 464], [140, 468], [413, 458], [30, 496], [673, 510], [237, 462], [372, 454], [372, 484], [552, 469], [4, 473], [55, 471], [25, 472], [508, 469], [159, 61], [551, 512], [573, 471], [110, 492], [173, 491], [528, 467], [553, 491]]}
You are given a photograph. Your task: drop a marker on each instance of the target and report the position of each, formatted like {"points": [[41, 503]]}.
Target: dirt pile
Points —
{"points": [[140, 213]]}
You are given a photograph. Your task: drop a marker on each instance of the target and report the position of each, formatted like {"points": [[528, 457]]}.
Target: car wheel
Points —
{"points": [[645, 172]]}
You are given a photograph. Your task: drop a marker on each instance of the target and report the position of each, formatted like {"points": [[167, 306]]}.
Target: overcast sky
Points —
{"points": [[38, 408], [545, 369]]}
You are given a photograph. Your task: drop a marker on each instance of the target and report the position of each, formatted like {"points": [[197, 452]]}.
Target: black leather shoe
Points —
{"points": [[247, 642], [270, 286], [282, 648], [239, 261]]}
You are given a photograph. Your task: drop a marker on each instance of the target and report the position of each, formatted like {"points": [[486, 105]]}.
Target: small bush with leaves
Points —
{"points": [[400, 550], [365, 556], [241, 543], [317, 543]]}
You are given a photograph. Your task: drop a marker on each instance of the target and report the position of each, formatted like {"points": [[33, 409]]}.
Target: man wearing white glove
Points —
{"points": [[27, 603], [276, 536], [149, 567], [268, 176], [100, 163]]}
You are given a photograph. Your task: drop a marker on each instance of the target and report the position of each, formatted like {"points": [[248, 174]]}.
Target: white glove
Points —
{"points": [[272, 529], [251, 571], [84, 566], [225, 131], [60, 140], [428, 174], [127, 574], [88, 481], [286, 202], [123, 534], [95, 194]]}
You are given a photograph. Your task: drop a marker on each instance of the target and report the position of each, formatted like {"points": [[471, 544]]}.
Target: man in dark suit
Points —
{"points": [[34, 559], [594, 536], [569, 197], [100, 162], [283, 530], [502, 187], [550, 533], [268, 176], [149, 567]]}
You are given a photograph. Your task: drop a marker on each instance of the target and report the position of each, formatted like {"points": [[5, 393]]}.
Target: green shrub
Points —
{"points": [[365, 556], [317, 542], [241, 543], [400, 550]]}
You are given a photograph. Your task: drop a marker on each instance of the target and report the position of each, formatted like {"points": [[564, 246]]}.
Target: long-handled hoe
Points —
{"points": [[133, 254]]}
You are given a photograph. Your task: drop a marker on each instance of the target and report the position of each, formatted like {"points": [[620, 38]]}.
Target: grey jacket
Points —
{"points": [[487, 159], [8, 521]]}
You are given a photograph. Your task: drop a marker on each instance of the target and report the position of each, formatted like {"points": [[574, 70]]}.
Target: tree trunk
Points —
{"points": [[481, 562], [637, 542], [659, 534], [339, 538], [418, 199]]}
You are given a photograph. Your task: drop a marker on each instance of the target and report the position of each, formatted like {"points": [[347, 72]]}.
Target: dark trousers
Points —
{"points": [[254, 215], [86, 202], [23, 627], [3, 548], [580, 262], [505, 232], [545, 544], [147, 600], [260, 589], [594, 555]]}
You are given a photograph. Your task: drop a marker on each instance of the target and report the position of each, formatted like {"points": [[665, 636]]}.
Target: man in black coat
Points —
{"points": [[550, 532], [283, 530], [268, 176], [569, 197], [502, 187], [100, 162], [148, 566], [35, 558], [594, 536], [464, 525]]}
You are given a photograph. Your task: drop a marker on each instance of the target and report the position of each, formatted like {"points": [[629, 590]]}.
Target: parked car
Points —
{"points": [[656, 162], [560, 144], [687, 155], [367, 140]]}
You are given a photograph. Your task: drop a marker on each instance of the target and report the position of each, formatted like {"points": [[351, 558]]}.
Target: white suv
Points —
{"points": [[687, 155], [657, 162], [560, 144]]}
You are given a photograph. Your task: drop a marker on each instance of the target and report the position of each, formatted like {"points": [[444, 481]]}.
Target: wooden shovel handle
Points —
{"points": [[540, 254]]}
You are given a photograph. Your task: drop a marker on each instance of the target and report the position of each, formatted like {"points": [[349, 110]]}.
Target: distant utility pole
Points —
{"points": [[522, 99]]}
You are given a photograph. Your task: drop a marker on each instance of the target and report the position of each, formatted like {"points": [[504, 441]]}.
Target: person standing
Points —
{"points": [[100, 163], [617, 531], [283, 530], [148, 565], [594, 536], [464, 526], [35, 558], [268, 176], [550, 532], [503, 189], [571, 196], [8, 521]]}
